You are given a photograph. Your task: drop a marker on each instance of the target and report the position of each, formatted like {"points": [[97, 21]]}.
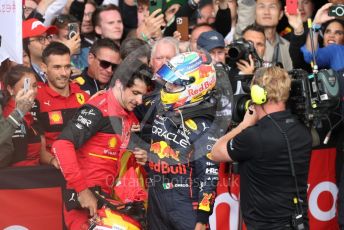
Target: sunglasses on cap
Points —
{"points": [[106, 64]]}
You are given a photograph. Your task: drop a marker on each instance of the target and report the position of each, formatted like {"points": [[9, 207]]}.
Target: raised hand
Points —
{"points": [[24, 100], [152, 25], [246, 67], [322, 14], [295, 21], [73, 44]]}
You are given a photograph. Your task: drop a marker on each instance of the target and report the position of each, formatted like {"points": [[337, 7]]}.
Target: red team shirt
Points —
{"points": [[54, 110]]}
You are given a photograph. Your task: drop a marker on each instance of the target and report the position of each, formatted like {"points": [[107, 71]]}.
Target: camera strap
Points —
{"points": [[297, 199], [275, 57]]}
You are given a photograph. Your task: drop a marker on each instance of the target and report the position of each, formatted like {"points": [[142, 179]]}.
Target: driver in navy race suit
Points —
{"points": [[182, 176]]}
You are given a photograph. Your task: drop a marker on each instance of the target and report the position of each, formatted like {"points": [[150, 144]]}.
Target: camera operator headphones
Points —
{"points": [[258, 94]]}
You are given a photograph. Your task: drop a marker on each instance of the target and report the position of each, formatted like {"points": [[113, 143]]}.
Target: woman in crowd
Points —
{"points": [[26, 138], [331, 55]]}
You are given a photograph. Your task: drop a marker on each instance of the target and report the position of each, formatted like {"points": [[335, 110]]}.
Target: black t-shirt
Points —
{"points": [[267, 186]]}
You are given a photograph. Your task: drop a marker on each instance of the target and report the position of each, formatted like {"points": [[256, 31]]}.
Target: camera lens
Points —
{"points": [[234, 53], [339, 11], [71, 34]]}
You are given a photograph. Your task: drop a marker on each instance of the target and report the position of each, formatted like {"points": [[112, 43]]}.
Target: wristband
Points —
{"points": [[316, 27], [144, 37]]}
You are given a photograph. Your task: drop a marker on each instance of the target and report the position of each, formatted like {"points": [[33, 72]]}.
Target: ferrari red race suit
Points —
{"points": [[89, 148]]}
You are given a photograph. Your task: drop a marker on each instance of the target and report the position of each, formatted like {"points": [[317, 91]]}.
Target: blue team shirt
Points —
{"points": [[331, 56]]}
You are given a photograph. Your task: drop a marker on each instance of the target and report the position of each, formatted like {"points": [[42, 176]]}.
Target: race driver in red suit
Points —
{"points": [[90, 147]]}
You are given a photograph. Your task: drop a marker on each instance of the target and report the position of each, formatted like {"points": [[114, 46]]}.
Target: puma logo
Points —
{"points": [[47, 103], [73, 197]]}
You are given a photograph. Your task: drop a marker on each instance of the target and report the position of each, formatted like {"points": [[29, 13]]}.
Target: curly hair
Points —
{"points": [[275, 81]]}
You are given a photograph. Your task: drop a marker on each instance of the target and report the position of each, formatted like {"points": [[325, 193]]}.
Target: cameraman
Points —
{"points": [[260, 143], [255, 35]]}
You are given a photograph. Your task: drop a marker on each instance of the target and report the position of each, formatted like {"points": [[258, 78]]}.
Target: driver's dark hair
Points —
{"points": [[143, 73], [128, 72]]}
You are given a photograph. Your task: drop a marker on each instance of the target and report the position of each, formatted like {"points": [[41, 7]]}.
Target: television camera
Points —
{"points": [[312, 97]]}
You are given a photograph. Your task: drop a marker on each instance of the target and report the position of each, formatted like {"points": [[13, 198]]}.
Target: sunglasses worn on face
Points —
{"points": [[106, 64]]}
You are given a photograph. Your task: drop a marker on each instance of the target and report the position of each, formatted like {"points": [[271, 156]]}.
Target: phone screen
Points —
{"points": [[292, 6], [73, 29], [26, 84]]}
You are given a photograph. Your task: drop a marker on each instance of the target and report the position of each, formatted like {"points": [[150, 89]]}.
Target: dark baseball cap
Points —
{"points": [[210, 40]]}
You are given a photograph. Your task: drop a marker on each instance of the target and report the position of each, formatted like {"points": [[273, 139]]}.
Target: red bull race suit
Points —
{"points": [[182, 176]]}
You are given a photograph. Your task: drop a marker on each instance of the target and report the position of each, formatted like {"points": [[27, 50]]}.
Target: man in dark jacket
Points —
{"points": [[267, 143]]}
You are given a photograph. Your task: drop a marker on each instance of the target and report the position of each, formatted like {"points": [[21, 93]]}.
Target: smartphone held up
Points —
{"points": [[292, 6], [73, 29], [183, 27], [26, 84]]}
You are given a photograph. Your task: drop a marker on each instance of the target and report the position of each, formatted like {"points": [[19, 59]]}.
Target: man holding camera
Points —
{"points": [[266, 13], [271, 146], [254, 34]]}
